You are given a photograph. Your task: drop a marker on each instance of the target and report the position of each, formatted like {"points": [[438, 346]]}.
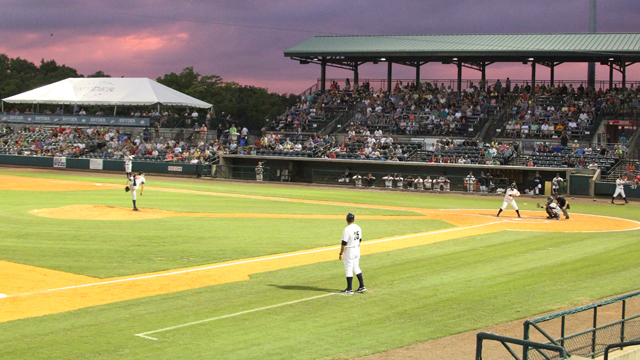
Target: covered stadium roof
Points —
{"points": [[582, 47], [107, 91]]}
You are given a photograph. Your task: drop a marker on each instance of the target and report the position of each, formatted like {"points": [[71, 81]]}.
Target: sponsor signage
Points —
{"points": [[74, 120], [95, 164], [175, 168], [620, 122], [59, 162]]}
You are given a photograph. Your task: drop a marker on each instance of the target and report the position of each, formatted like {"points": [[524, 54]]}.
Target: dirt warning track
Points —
{"points": [[32, 291]]}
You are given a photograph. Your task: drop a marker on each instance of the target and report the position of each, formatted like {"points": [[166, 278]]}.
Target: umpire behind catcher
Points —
{"points": [[564, 205]]}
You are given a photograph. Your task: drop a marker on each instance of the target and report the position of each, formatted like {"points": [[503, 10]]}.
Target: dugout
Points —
{"points": [[313, 170]]}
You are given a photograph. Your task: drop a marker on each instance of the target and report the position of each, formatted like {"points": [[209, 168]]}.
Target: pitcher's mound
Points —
{"points": [[101, 212]]}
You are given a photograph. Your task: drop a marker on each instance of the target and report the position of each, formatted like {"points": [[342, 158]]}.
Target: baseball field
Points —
{"points": [[240, 270]]}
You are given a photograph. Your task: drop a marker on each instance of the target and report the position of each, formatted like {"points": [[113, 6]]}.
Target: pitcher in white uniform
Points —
{"points": [[136, 182], [350, 254]]}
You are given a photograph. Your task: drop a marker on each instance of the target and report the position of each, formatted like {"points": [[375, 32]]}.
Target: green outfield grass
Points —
{"points": [[416, 294]]}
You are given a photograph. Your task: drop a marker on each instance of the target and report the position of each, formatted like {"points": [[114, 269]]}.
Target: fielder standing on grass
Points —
{"points": [[350, 254], [135, 182], [509, 195], [128, 158]]}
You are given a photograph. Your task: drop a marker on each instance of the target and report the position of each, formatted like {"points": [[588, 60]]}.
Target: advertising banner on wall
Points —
{"points": [[95, 164], [59, 162]]}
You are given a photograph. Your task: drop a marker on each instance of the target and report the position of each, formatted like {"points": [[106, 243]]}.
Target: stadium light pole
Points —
{"points": [[591, 70]]}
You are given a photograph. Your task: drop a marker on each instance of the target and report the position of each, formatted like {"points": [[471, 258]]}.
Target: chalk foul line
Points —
{"points": [[251, 260], [144, 334]]}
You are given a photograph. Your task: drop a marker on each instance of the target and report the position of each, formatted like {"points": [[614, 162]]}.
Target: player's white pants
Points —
{"points": [[537, 188], [554, 189], [619, 191], [470, 187], [258, 177], [133, 194], [483, 189], [511, 202], [351, 261], [127, 168]]}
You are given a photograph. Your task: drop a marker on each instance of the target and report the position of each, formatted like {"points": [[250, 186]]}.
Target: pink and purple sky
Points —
{"points": [[244, 40]]}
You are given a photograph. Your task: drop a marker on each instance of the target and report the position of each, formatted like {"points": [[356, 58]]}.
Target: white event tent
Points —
{"points": [[107, 91]]}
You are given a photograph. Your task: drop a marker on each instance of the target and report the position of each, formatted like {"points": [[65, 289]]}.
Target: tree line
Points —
{"points": [[246, 105]]}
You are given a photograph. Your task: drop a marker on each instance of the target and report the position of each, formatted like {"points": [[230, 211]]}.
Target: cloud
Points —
{"points": [[244, 40]]}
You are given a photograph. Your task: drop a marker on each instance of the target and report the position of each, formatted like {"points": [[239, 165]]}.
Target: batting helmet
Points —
{"points": [[141, 173], [513, 185], [351, 217]]}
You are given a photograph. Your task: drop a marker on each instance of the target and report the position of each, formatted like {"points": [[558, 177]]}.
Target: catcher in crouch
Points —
{"points": [[509, 195], [553, 210]]}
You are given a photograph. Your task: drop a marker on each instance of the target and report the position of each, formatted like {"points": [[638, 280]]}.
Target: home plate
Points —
{"points": [[3, 296]]}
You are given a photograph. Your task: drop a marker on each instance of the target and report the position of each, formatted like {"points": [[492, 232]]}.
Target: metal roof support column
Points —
{"points": [[323, 75], [483, 76], [533, 77], [624, 74], [610, 76], [417, 74], [389, 73], [552, 69], [459, 77], [356, 76]]}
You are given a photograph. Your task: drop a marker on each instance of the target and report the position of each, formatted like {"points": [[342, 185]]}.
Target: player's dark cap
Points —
{"points": [[351, 217], [141, 173]]}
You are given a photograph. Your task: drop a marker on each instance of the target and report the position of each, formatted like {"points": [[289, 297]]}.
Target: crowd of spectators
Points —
{"points": [[576, 155], [425, 109], [447, 151], [107, 143]]}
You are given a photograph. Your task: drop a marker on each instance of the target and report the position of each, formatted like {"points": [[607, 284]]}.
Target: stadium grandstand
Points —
{"points": [[548, 124]]}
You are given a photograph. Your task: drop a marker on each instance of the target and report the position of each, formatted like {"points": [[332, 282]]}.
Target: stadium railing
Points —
{"points": [[589, 342], [505, 341], [618, 345], [456, 183], [237, 172]]}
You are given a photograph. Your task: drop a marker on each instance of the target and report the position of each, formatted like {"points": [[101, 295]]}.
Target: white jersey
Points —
{"points": [[508, 195], [136, 181], [352, 236], [470, 179], [399, 182], [427, 184], [620, 184], [388, 181], [419, 184], [557, 180], [127, 160], [358, 180]]}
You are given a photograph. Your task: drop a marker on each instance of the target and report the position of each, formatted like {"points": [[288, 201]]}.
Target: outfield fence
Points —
{"points": [[456, 183], [585, 342]]}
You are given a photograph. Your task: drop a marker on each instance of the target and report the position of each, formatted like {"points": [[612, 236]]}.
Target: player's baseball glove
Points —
{"points": [[538, 205], [126, 189]]}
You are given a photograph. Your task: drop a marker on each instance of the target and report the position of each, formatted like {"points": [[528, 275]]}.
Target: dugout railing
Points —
{"points": [[588, 342], [456, 183], [237, 172], [558, 351]]}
